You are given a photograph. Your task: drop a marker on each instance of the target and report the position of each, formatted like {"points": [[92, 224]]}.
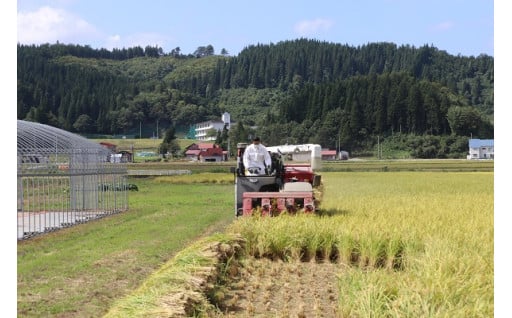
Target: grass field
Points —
{"points": [[144, 150], [336, 166], [404, 243], [80, 271]]}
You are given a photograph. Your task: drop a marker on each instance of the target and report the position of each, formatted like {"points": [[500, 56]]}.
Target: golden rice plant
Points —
{"points": [[413, 244], [204, 177]]}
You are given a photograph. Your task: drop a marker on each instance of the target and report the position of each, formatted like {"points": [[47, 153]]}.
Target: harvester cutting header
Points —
{"points": [[264, 182]]}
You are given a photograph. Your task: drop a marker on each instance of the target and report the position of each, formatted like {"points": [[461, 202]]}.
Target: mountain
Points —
{"points": [[300, 90]]}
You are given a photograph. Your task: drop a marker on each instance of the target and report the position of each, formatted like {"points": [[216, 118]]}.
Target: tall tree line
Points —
{"points": [[301, 90], [290, 63]]}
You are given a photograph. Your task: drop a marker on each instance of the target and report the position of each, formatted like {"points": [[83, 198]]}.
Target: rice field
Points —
{"points": [[384, 244], [407, 244]]}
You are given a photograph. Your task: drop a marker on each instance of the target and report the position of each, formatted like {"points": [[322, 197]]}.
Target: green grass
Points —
{"points": [[194, 167], [80, 271], [337, 166], [163, 293], [409, 165], [144, 145]]}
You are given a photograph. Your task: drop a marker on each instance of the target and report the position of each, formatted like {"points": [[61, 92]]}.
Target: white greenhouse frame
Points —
{"points": [[64, 179]]}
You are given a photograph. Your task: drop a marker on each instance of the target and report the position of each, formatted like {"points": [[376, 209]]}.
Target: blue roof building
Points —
{"points": [[481, 149]]}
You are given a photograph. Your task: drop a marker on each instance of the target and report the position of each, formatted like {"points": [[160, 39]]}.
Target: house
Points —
{"points": [[211, 155], [328, 154], [205, 152], [203, 129], [481, 149], [126, 156], [333, 155], [192, 154], [193, 151], [109, 146], [122, 156]]}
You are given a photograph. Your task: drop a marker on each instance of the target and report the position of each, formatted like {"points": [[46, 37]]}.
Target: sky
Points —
{"points": [[463, 27]]}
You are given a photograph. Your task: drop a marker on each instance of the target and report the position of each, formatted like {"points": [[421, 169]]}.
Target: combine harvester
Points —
{"points": [[286, 187]]}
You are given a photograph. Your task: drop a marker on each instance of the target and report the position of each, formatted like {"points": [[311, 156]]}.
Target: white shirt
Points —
{"points": [[256, 156]]}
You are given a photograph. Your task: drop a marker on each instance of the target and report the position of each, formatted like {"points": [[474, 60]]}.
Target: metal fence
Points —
{"points": [[64, 179]]}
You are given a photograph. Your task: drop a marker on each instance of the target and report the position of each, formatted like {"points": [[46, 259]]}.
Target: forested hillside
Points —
{"points": [[300, 91]]}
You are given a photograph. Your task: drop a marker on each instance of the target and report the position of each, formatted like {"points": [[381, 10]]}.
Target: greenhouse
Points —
{"points": [[64, 179]]}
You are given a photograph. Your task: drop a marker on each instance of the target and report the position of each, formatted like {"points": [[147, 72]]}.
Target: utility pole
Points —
{"points": [[338, 153], [229, 155], [378, 147]]}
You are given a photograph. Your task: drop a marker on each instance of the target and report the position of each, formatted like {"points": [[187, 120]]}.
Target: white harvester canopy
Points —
{"points": [[311, 153]]}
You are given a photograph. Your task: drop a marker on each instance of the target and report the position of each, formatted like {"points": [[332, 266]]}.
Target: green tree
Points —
{"points": [[203, 51], [84, 124], [238, 133], [212, 133], [169, 143], [464, 121], [223, 137]]}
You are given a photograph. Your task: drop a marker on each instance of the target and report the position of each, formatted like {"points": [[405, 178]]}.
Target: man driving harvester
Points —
{"points": [[256, 159]]}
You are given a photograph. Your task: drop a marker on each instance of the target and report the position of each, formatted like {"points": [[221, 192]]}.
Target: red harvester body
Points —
{"points": [[287, 187]]}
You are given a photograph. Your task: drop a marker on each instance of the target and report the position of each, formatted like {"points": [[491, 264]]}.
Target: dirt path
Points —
{"points": [[265, 288]]}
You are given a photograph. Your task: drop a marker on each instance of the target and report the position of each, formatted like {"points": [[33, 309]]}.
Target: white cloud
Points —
{"points": [[310, 27], [113, 41], [49, 25], [136, 39]]}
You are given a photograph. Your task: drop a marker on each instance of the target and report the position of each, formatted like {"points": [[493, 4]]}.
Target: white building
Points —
{"points": [[481, 149], [203, 128]]}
